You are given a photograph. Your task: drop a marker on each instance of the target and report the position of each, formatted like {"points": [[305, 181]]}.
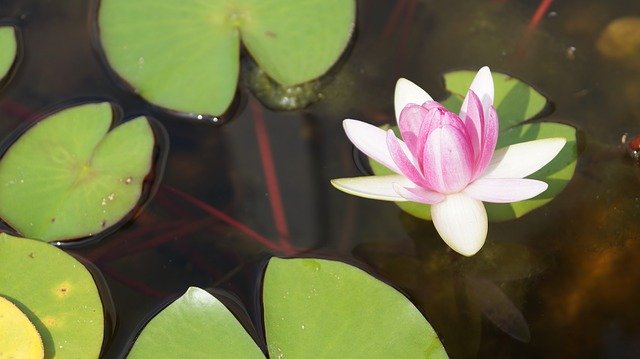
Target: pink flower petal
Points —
{"points": [[482, 86], [489, 140], [410, 121], [407, 92], [371, 140], [474, 124], [419, 194], [505, 190], [448, 160], [462, 223], [523, 159], [373, 187], [404, 159]]}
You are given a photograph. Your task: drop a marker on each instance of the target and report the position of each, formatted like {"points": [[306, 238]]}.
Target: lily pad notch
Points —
{"points": [[71, 175], [184, 55]]}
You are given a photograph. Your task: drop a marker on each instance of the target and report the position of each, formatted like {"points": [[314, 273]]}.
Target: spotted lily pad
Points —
{"points": [[57, 294], [306, 316], [8, 49], [515, 102], [19, 338], [68, 176], [184, 55]]}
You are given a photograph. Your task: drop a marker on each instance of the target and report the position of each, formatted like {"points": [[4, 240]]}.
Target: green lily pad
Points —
{"points": [[19, 338], [515, 101], [293, 41], [306, 316], [196, 325], [327, 309], [69, 177], [57, 294], [509, 95], [8, 49]]}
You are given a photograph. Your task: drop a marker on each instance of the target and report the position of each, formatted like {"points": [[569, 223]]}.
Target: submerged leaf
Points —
{"points": [[8, 49], [68, 177], [19, 338], [196, 325], [293, 41], [56, 292]]}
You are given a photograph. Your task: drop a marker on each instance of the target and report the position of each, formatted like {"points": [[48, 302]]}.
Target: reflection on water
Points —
{"points": [[558, 282]]}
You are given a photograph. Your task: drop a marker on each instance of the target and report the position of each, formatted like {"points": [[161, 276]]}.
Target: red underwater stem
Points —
{"points": [[271, 177]]}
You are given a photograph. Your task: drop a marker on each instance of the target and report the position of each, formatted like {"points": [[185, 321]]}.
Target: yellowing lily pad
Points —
{"points": [[184, 55], [19, 338], [68, 176], [313, 308], [515, 102], [8, 49], [57, 294], [196, 325]]}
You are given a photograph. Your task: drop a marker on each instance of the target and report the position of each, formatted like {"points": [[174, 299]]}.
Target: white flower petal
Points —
{"points": [[371, 140], [505, 190], [523, 159], [462, 223], [419, 194], [408, 92], [373, 187], [482, 86]]}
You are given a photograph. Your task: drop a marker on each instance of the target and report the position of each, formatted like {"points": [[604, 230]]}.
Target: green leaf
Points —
{"points": [[19, 338], [327, 309], [68, 177], [196, 325], [515, 101], [57, 294], [556, 173], [293, 41], [8, 49]]}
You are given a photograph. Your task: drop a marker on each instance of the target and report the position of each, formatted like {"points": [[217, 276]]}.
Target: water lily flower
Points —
{"points": [[449, 161]]}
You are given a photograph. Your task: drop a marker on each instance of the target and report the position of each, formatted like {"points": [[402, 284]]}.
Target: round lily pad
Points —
{"points": [[316, 308], [19, 338], [8, 49], [69, 177], [293, 41], [196, 325], [57, 294]]}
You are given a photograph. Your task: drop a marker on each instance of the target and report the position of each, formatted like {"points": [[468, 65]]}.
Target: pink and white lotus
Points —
{"points": [[449, 161]]}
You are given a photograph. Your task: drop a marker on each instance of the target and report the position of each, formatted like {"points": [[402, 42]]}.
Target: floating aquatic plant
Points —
{"points": [[8, 49], [56, 292], [185, 55], [19, 338], [312, 308], [69, 176], [448, 161]]}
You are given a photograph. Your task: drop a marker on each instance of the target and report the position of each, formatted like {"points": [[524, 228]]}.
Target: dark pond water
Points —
{"points": [[560, 282]]}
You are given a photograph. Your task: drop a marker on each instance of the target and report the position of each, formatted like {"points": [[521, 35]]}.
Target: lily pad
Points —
{"points": [[515, 101], [292, 41], [306, 316], [196, 325], [57, 294], [19, 338], [69, 177], [512, 110], [327, 309], [8, 49]]}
